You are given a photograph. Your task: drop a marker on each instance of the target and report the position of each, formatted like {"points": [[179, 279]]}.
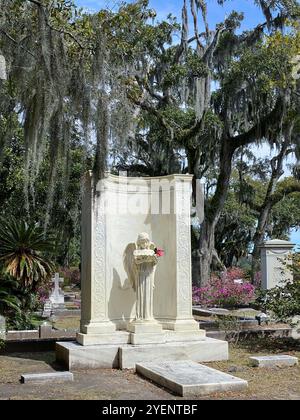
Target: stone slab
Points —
{"points": [[74, 356], [177, 336], [23, 335], [186, 378], [39, 378], [144, 327], [147, 338], [273, 361], [118, 337], [207, 350]]}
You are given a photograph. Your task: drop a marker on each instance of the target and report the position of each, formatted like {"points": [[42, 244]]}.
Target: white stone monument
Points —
{"points": [[116, 329], [57, 297], [273, 255]]}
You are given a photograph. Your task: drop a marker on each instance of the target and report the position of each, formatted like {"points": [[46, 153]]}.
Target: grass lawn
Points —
{"points": [[274, 384]]}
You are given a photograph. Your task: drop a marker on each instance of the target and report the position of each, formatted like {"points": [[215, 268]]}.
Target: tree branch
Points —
{"points": [[61, 31], [16, 42], [260, 130], [283, 192]]}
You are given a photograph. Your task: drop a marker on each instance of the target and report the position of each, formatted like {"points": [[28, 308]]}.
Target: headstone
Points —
{"points": [[2, 327], [273, 361], [57, 297], [296, 327], [39, 378], [186, 378], [47, 310], [3, 75], [239, 281], [262, 318], [273, 255]]}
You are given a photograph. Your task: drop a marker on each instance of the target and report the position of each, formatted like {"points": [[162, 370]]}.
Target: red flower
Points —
{"points": [[159, 252]]}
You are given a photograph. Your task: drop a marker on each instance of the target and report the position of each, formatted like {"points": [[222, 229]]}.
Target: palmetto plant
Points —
{"points": [[23, 250], [7, 300]]}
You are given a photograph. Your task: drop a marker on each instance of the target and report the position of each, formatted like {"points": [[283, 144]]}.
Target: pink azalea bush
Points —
{"points": [[43, 293], [224, 291]]}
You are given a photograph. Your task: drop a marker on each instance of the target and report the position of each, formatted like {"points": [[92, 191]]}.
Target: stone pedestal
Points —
{"points": [[150, 332], [273, 254]]}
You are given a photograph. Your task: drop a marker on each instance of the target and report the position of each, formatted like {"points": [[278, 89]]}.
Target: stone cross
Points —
{"points": [[57, 295], [56, 280]]}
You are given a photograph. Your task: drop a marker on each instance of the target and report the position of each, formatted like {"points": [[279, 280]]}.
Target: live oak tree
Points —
{"points": [[151, 105], [65, 75], [254, 101]]}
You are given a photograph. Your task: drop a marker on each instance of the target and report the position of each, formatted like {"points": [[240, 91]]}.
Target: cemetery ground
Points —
{"points": [[106, 384]]}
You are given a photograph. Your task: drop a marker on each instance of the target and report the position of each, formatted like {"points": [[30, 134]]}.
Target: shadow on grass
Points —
{"points": [[270, 344], [46, 357]]}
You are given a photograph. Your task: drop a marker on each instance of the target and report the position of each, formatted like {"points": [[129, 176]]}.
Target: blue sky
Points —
{"points": [[216, 14]]}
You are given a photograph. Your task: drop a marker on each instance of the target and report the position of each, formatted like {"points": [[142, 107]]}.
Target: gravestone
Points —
{"points": [[2, 327], [186, 378], [3, 75], [117, 213], [273, 255], [296, 327], [46, 378], [57, 297], [273, 361], [47, 309]]}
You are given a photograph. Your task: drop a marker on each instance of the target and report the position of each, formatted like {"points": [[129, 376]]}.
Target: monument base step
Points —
{"points": [[186, 378], [139, 338], [75, 356]]}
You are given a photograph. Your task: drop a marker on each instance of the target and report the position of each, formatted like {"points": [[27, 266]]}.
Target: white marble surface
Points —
{"points": [[75, 356], [207, 350], [273, 361], [39, 378], [108, 299], [187, 378]]}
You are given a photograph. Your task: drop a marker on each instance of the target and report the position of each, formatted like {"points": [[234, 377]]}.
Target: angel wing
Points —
{"points": [[130, 266]]}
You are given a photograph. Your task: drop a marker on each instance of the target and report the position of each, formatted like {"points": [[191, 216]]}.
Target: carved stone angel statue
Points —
{"points": [[140, 261]]}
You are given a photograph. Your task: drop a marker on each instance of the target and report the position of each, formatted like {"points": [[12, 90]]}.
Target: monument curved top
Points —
{"points": [[118, 178], [277, 243]]}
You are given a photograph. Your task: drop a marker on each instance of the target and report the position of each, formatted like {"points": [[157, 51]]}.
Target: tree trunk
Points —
{"points": [[258, 239], [266, 208], [206, 248], [213, 211]]}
